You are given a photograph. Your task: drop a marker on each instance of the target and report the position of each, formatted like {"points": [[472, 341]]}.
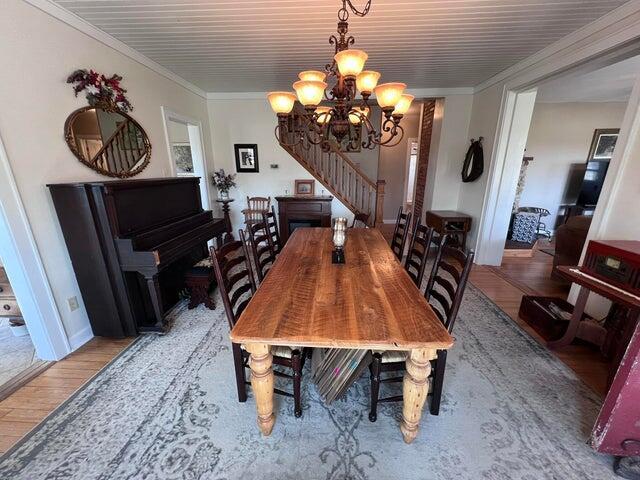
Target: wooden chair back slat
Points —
{"points": [[262, 248], [360, 220], [256, 206], [418, 252], [230, 256], [270, 220], [400, 232], [450, 291]]}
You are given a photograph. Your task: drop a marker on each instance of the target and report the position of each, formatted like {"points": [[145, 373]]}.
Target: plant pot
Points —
{"points": [[223, 195]]}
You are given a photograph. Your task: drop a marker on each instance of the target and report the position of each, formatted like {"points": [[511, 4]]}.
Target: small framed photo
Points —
{"points": [[246, 157], [305, 187], [603, 143]]}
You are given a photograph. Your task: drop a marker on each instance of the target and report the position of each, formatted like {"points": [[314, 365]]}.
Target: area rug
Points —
{"points": [[167, 409]]}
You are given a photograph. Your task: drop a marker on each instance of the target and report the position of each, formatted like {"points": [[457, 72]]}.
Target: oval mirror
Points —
{"points": [[109, 142]]}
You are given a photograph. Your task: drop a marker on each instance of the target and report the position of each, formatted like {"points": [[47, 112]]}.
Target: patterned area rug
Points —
{"points": [[167, 409]]}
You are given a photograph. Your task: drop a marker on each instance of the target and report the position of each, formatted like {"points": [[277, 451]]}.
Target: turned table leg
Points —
{"points": [[415, 389], [262, 384]]}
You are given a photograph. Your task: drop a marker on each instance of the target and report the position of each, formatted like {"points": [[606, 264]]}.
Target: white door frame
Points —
{"points": [[196, 140], [26, 273], [505, 162], [406, 172]]}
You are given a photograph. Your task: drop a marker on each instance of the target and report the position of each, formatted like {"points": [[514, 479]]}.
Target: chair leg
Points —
{"points": [[376, 364], [240, 373], [438, 378], [296, 363]]}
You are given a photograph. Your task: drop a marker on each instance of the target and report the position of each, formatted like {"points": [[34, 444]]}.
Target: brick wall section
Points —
{"points": [[423, 158]]}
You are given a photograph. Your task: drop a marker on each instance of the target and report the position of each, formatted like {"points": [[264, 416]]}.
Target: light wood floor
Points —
{"points": [[505, 286], [30, 404]]}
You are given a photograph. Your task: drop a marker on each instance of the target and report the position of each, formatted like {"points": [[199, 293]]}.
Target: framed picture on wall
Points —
{"points": [[603, 143], [246, 157], [305, 187]]}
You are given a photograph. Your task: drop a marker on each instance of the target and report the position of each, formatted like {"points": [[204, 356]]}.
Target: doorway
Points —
{"points": [[186, 150]]}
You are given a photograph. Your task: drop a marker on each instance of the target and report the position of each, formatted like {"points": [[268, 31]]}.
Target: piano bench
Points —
{"points": [[198, 281]]}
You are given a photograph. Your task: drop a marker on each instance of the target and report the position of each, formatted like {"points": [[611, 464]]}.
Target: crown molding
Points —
{"points": [[618, 27], [236, 95], [74, 21]]}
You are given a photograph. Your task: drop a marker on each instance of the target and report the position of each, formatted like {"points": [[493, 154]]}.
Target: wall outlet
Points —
{"points": [[73, 303]]}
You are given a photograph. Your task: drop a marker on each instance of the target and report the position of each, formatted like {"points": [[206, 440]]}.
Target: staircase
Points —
{"points": [[343, 178]]}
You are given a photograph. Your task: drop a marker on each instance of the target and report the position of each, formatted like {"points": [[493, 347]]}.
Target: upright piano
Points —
{"points": [[130, 243]]}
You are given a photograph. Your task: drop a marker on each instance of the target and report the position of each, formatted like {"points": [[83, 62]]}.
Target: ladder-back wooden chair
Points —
{"points": [[399, 238], [255, 207], [360, 220], [418, 254], [237, 286], [261, 248], [445, 289], [271, 221]]}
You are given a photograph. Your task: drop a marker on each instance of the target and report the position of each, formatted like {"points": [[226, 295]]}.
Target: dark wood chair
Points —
{"points": [[261, 248], [255, 207], [237, 286], [445, 289], [271, 221], [399, 238], [360, 220], [418, 254]]}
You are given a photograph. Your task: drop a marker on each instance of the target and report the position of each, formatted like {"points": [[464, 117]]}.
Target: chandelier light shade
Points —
{"points": [[312, 75], [389, 94], [366, 81], [403, 105], [350, 62], [310, 92], [355, 115], [281, 102], [346, 88], [324, 114]]}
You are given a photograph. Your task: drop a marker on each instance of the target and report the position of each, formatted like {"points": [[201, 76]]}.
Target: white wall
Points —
{"points": [[560, 135], [483, 123], [38, 53], [449, 145], [252, 121]]}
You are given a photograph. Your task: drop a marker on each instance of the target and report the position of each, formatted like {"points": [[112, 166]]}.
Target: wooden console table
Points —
{"points": [[307, 301], [448, 222], [302, 211]]}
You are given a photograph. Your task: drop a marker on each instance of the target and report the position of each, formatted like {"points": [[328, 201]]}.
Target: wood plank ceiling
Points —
{"points": [[255, 46]]}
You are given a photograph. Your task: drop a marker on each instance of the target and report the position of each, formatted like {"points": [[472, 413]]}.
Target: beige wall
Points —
{"points": [[448, 147], [483, 123], [560, 136], [392, 166], [252, 121], [38, 53]]}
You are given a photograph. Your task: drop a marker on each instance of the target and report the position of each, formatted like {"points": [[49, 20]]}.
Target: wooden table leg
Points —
{"points": [[262, 384], [574, 323], [415, 389]]}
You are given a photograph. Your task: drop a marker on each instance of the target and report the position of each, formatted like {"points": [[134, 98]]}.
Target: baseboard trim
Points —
{"points": [[80, 338]]}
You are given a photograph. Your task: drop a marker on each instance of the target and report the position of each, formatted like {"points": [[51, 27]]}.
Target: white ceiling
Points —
{"points": [[609, 84], [253, 45]]}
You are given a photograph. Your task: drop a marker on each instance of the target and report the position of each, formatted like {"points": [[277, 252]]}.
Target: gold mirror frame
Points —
{"points": [[70, 139]]}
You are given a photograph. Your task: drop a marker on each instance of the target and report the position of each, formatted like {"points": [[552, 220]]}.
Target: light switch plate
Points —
{"points": [[73, 303]]}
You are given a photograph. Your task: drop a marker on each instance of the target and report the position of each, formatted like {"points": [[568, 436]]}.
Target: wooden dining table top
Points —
{"points": [[367, 302]]}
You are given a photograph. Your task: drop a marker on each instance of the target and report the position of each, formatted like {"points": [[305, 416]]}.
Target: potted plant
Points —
{"points": [[223, 183]]}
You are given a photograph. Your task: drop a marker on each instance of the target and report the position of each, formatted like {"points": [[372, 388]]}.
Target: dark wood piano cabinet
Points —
{"points": [[130, 242]]}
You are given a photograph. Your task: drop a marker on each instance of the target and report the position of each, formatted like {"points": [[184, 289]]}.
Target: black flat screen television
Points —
{"points": [[592, 182]]}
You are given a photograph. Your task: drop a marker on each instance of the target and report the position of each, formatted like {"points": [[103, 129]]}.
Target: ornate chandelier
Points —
{"points": [[345, 120]]}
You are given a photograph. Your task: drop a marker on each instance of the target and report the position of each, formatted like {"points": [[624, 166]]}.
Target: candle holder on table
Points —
{"points": [[339, 239]]}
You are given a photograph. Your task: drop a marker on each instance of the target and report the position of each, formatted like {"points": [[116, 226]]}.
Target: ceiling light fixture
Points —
{"points": [[346, 119]]}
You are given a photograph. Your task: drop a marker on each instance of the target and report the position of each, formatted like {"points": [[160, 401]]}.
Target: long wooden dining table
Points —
{"points": [[369, 302]]}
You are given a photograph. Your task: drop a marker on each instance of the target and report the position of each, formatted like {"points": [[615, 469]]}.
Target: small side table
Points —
{"points": [[448, 222], [198, 280], [228, 237]]}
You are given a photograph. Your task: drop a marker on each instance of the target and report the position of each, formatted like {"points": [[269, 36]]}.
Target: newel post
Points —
{"points": [[379, 202]]}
